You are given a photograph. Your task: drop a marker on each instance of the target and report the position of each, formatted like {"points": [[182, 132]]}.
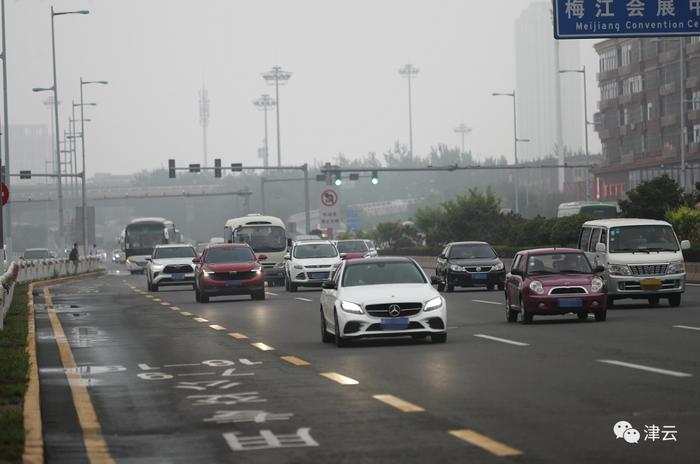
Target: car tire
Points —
{"points": [[196, 295], [582, 316], [525, 317], [501, 287], [438, 337], [325, 336], [490, 287], [203, 298], [611, 302], [257, 296], [654, 300], [149, 286], [441, 285], [340, 342], [449, 288], [601, 315], [674, 300], [154, 287], [292, 287], [511, 314]]}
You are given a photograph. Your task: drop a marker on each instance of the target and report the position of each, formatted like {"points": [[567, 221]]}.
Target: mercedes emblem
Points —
{"points": [[394, 310]]}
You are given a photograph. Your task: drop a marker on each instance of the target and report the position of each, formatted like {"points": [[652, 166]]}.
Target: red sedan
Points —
{"points": [[554, 281], [229, 269]]}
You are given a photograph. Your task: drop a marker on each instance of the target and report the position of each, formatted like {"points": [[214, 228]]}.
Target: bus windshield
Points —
{"points": [[642, 239], [262, 238], [144, 236]]}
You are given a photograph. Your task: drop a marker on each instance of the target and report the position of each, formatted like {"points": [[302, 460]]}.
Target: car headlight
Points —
{"points": [[456, 268], [433, 304], [128, 260], [498, 267], [157, 267], [208, 273], [297, 266], [349, 307], [619, 269], [676, 268], [596, 284], [536, 286]]}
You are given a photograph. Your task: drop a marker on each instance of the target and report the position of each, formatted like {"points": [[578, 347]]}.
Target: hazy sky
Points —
{"points": [[345, 95]]}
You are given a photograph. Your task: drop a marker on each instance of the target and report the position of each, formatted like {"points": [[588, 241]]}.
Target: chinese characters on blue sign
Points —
{"points": [[588, 19]]}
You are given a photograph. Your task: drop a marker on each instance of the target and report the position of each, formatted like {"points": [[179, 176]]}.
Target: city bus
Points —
{"points": [[596, 209], [266, 235], [140, 238]]}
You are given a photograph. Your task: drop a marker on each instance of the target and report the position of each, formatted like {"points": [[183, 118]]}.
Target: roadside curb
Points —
{"points": [[33, 427]]}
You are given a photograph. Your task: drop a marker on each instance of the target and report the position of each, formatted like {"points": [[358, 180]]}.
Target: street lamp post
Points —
{"points": [[515, 142], [263, 103], [463, 130], [82, 150], [409, 72], [277, 76], [6, 131], [582, 71]]}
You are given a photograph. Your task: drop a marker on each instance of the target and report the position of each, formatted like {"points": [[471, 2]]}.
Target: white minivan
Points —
{"points": [[642, 258]]}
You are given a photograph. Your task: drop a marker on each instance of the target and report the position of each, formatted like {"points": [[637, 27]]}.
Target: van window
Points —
{"points": [[604, 237], [595, 239], [584, 238]]}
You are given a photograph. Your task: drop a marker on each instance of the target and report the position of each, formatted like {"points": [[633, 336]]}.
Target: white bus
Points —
{"points": [[266, 235], [596, 209], [140, 238]]}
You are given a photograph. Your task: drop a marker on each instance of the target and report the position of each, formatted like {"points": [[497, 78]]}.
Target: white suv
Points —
{"points": [[310, 263], [170, 265]]}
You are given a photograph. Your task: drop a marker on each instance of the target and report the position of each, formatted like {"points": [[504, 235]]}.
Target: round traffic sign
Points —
{"points": [[5, 194], [329, 197]]}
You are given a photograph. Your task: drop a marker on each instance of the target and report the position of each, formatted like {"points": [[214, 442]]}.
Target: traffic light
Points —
{"points": [[236, 167], [194, 167], [354, 176], [171, 168], [217, 167], [375, 177], [338, 179]]}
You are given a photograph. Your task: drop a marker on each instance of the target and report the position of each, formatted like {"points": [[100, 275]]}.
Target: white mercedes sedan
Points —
{"points": [[381, 297]]}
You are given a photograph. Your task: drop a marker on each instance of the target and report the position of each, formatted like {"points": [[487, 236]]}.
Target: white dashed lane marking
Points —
{"points": [[641, 367], [488, 302], [502, 340], [687, 327], [303, 299]]}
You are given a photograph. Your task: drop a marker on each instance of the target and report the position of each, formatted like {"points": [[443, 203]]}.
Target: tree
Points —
{"points": [[652, 199], [686, 222], [565, 230]]}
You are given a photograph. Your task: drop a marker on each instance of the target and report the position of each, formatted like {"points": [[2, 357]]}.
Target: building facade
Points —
{"points": [[641, 119], [538, 60]]}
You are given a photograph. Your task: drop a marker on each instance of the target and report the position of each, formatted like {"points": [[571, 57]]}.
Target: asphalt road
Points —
{"points": [[171, 380]]}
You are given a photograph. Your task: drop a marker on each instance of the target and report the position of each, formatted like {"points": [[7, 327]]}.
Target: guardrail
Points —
{"points": [[23, 271]]}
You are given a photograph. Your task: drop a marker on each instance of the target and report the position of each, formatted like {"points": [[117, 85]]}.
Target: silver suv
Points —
{"points": [[170, 265]]}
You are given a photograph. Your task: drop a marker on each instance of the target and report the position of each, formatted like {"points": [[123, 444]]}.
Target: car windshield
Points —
{"points": [[37, 254], [315, 250], [262, 238], [643, 239], [229, 255], [558, 263], [382, 273], [352, 246], [174, 252], [476, 251]]}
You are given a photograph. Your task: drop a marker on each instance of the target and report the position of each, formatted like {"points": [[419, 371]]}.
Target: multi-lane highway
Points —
{"points": [[156, 377]]}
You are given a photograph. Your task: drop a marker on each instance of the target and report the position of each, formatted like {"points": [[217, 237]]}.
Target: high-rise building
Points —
{"points": [[536, 86], [638, 115], [30, 149]]}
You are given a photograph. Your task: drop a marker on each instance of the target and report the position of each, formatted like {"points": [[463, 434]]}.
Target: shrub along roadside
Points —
{"points": [[13, 377]]}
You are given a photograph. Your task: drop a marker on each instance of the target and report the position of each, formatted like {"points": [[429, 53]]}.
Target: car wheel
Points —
{"points": [[501, 287], [525, 317], [419, 336], [582, 316], [438, 337], [490, 287], [154, 287], [149, 286], [258, 295], [601, 315], [196, 295], [325, 336], [203, 298], [450, 288], [654, 300], [511, 314], [340, 342], [611, 302], [674, 300], [441, 286], [286, 283], [292, 287]]}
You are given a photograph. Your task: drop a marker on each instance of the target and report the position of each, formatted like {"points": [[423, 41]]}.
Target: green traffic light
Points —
{"points": [[375, 181], [338, 182]]}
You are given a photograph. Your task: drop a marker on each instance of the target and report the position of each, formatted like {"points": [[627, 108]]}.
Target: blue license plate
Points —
{"points": [[318, 275], [395, 323], [233, 283], [178, 276], [571, 303], [480, 276]]}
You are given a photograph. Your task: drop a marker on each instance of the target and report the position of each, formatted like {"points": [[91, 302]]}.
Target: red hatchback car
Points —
{"points": [[229, 269], [554, 281]]}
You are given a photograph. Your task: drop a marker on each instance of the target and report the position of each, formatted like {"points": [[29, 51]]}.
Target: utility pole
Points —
{"points": [[277, 76], [204, 119], [684, 135], [264, 103], [463, 130], [557, 100], [409, 72], [6, 144]]}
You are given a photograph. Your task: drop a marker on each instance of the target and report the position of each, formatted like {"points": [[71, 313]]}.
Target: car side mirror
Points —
{"points": [[435, 280], [516, 272], [441, 256], [197, 260], [149, 259], [343, 255], [287, 257], [685, 245], [328, 285], [262, 257], [599, 269], [600, 247]]}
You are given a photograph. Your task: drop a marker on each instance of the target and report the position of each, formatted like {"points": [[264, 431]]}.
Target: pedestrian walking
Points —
{"points": [[73, 258]]}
